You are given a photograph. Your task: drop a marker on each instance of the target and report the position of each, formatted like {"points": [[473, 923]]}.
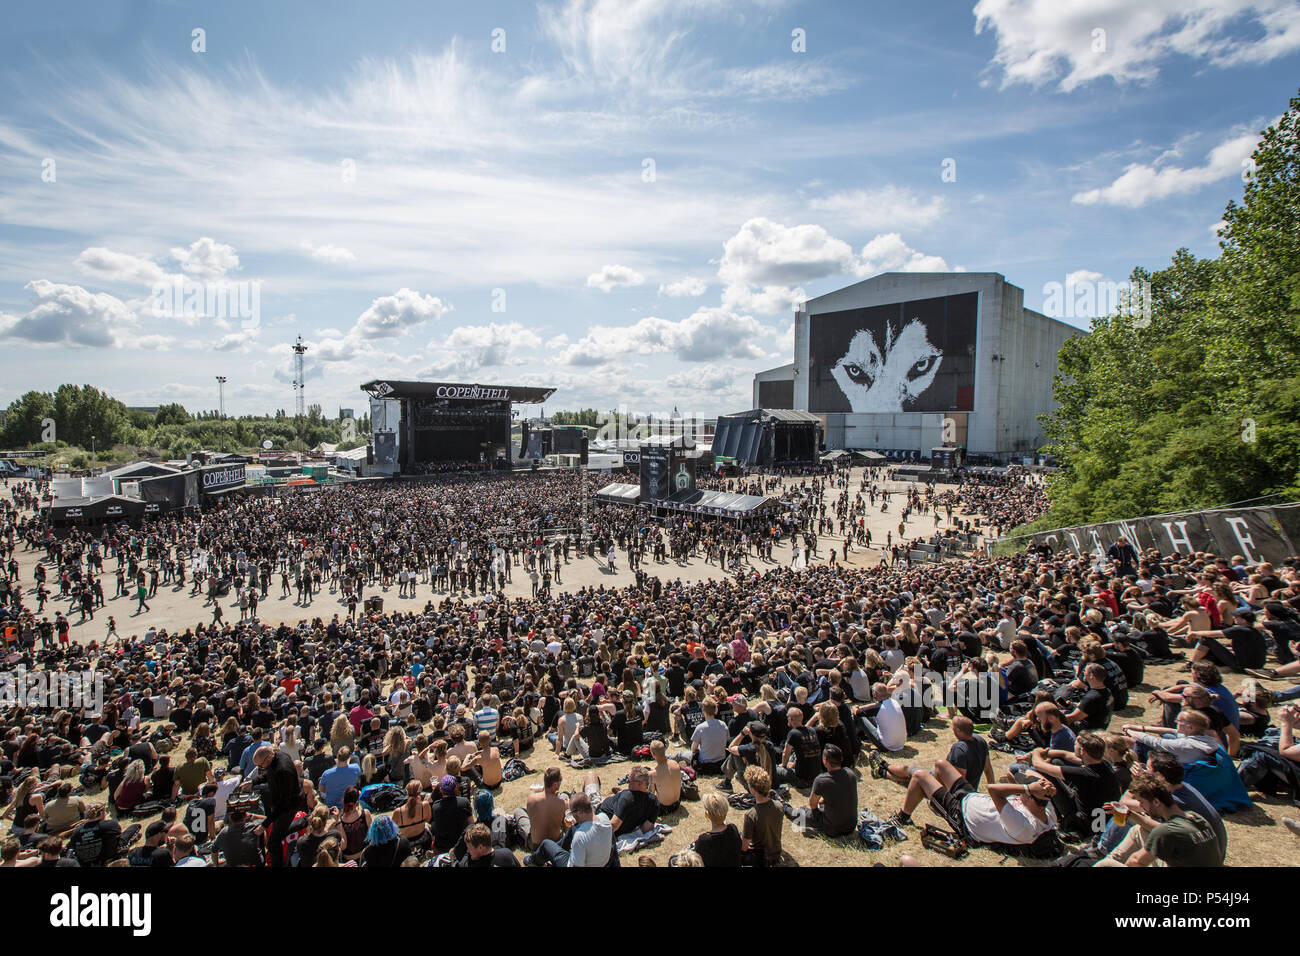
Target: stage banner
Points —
{"points": [[1253, 533], [1257, 534], [656, 472]]}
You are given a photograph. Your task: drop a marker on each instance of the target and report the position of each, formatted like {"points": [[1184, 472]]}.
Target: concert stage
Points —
{"points": [[425, 427]]}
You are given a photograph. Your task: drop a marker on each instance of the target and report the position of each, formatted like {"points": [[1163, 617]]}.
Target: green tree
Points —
{"points": [[1200, 406], [24, 419]]}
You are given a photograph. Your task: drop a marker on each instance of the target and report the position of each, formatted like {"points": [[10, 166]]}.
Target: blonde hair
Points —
{"points": [[715, 807]]}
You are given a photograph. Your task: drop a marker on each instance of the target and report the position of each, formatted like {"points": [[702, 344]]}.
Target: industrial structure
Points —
{"points": [[907, 362]]}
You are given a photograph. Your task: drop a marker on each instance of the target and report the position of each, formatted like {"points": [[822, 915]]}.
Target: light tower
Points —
{"points": [[298, 384], [221, 395]]}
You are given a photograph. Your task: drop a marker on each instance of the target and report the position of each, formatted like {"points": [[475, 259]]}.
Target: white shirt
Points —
{"points": [[892, 724], [1014, 825], [225, 787]]}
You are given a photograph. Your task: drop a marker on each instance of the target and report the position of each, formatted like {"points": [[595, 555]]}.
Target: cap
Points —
{"points": [[735, 699]]}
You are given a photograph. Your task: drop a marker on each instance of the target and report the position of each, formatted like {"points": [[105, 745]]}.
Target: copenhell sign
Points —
{"points": [[1257, 534], [222, 477]]}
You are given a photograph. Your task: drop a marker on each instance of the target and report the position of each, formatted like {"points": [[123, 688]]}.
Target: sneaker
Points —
{"points": [[900, 820], [1292, 824], [725, 786], [1263, 673], [528, 859]]}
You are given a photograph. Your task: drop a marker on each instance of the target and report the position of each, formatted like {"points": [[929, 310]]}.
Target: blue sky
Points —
{"points": [[619, 198]]}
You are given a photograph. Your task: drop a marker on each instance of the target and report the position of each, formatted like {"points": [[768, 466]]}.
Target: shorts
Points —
{"points": [[950, 799]]}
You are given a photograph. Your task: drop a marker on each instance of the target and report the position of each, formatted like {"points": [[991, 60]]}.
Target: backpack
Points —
{"points": [[514, 769], [505, 832], [690, 789], [382, 797]]}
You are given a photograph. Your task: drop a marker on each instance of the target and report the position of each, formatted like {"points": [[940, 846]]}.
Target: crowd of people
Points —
{"points": [[379, 738]]}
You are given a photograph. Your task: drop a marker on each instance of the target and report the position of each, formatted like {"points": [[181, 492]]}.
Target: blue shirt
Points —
{"points": [[1227, 704], [335, 781], [1063, 739], [246, 758]]}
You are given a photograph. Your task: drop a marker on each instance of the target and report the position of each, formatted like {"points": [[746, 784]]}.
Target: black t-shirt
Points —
{"points": [[240, 845], [386, 854], [632, 807], [1096, 704], [739, 722], [317, 764], [150, 856], [807, 751], [969, 757], [1130, 662], [1248, 644], [1094, 784], [197, 814], [1021, 678], [839, 792], [451, 815], [95, 844], [627, 730], [676, 681], [498, 857], [719, 849]]}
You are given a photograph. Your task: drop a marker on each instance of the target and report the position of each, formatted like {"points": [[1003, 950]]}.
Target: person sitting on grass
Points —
{"points": [[1011, 814], [833, 805], [1163, 830], [760, 843]]}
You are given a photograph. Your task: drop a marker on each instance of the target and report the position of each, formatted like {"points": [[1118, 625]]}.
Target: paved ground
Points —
{"points": [[174, 608]]}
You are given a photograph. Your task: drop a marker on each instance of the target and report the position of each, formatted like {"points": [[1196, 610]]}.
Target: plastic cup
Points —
{"points": [[1121, 816]]}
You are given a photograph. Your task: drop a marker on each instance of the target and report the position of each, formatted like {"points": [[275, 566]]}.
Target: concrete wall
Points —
{"points": [[1015, 359], [784, 373]]}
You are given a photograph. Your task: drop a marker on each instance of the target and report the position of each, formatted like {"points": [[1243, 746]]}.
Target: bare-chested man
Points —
{"points": [[545, 809], [665, 779], [487, 760]]}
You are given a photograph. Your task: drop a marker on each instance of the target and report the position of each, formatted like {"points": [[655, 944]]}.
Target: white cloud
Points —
{"points": [[121, 266], [335, 255], [683, 287], [206, 258], [767, 253], [473, 347], [68, 315], [710, 333], [797, 78], [393, 315], [767, 300], [1082, 276], [1142, 183], [889, 253], [1041, 41], [711, 378], [153, 343], [240, 341], [891, 207], [611, 276]]}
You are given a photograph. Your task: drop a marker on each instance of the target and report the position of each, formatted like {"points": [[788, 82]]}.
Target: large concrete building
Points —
{"points": [[911, 361]]}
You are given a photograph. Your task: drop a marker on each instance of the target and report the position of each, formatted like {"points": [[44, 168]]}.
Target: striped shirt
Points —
{"points": [[487, 719]]}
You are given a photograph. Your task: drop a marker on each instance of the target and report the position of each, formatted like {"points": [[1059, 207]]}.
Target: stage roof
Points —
{"points": [[778, 414], [519, 394]]}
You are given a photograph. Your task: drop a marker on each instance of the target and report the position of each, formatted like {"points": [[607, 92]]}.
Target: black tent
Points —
{"points": [[105, 508]]}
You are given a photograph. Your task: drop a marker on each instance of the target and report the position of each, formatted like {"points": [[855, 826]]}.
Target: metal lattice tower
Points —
{"points": [[298, 383], [221, 395]]}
